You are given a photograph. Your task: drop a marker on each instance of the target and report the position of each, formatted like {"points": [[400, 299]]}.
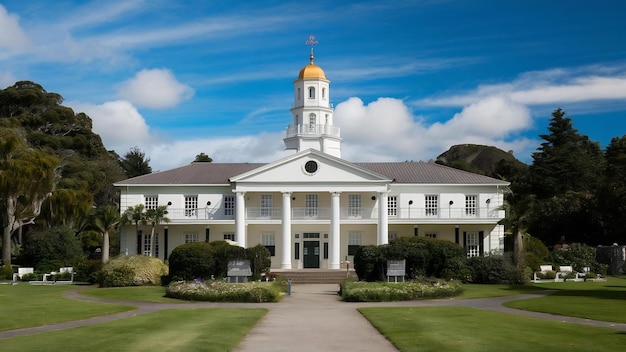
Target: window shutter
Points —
{"points": [[481, 247]]}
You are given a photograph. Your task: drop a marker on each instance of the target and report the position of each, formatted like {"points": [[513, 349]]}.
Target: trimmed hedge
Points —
{"points": [[424, 257], [217, 291], [493, 269], [351, 291], [132, 270]]}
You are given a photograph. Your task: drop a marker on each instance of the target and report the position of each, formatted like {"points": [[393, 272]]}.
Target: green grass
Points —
{"points": [[589, 300], [469, 329], [217, 329], [26, 305], [486, 291], [137, 293]]}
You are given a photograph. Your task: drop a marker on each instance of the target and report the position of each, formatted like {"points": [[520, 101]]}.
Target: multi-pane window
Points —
{"points": [[191, 206], [267, 205], [431, 234], [392, 235], [470, 205], [229, 236], [392, 205], [311, 204], [354, 205], [191, 237], [354, 241], [432, 205], [229, 206], [312, 122], [269, 241], [472, 245], [151, 202], [146, 245]]}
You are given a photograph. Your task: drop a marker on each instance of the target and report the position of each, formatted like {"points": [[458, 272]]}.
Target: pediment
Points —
{"points": [[310, 167]]}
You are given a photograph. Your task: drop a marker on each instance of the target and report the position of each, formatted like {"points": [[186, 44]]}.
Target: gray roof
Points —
{"points": [[205, 173]]}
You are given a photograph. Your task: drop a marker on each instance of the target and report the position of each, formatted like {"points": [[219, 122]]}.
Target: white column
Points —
{"points": [[285, 251], [334, 232], [240, 219], [383, 220]]}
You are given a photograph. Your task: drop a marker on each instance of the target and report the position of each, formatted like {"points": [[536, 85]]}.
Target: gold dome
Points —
{"points": [[312, 71]]}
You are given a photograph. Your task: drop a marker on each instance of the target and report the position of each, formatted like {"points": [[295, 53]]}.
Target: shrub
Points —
{"points": [[548, 275], [32, 277], [493, 269], [48, 251], [225, 252], [351, 291], [218, 291], [133, 270], [370, 262], [260, 260], [6, 273], [579, 257], [192, 261]]}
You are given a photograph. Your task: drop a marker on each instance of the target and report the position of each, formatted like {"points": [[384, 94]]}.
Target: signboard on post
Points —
{"points": [[396, 269], [238, 271]]}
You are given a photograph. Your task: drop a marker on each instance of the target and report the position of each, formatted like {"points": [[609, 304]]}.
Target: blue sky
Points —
{"points": [[409, 79]]}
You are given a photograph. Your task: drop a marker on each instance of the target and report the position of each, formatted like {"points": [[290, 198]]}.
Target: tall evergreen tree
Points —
{"points": [[565, 176], [612, 195], [135, 163]]}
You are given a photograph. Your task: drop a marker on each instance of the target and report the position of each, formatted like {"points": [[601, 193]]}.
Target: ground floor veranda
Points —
{"points": [[310, 246]]}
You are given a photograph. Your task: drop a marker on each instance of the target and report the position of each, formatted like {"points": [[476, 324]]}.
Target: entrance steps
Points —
{"points": [[315, 276]]}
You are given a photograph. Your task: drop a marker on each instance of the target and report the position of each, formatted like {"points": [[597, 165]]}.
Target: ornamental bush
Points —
{"points": [[351, 291], [493, 269], [218, 291], [191, 261], [132, 270]]}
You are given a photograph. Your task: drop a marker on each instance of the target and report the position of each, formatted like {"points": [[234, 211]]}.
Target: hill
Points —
{"points": [[480, 159]]}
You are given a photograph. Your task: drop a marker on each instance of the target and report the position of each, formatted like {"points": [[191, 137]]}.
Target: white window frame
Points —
{"points": [[146, 245], [230, 236], [268, 239], [472, 244], [151, 201], [470, 205], [229, 206], [191, 237], [355, 238], [311, 204], [431, 202], [354, 205], [430, 234], [266, 208], [311, 92], [312, 121], [191, 206], [392, 206]]}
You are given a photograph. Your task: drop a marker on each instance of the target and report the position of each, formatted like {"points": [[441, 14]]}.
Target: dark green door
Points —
{"points": [[311, 254]]}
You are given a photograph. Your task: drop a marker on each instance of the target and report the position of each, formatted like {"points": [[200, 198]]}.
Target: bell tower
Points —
{"points": [[312, 114]]}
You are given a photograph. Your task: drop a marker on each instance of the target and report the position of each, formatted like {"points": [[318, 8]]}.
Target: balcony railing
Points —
{"points": [[345, 213], [313, 130]]}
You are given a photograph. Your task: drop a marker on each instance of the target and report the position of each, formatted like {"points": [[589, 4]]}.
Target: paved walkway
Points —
{"points": [[311, 319]]}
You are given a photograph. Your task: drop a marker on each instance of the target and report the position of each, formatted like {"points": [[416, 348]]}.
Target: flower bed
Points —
{"points": [[218, 291], [361, 291]]}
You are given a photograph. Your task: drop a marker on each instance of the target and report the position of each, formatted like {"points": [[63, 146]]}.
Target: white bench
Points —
{"points": [[543, 269], [564, 271]]}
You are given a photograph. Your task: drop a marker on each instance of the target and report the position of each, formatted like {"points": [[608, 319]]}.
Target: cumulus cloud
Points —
{"points": [[387, 130], [155, 89], [12, 37], [118, 123]]}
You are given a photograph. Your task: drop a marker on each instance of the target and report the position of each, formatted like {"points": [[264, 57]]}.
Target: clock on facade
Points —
{"points": [[310, 166]]}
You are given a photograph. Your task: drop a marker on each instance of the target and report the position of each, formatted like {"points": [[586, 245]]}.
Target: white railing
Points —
{"points": [[345, 213], [315, 130]]}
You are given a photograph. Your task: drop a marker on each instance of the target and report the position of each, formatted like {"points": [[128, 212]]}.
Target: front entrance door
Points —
{"points": [[311, 254]]}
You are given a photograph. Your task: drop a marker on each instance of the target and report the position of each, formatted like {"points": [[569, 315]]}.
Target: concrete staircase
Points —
{"points": [[315, 276]]}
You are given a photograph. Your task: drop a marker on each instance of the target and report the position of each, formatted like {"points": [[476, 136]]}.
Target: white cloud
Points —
{"points": [[156, 89], [554, 87], [12, 37], [118, 123], [6, 79]]}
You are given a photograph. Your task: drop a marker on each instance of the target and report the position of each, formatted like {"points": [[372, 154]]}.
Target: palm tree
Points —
{"points": [[134, 215], [518, 210], [155, 217], [106, 219]]}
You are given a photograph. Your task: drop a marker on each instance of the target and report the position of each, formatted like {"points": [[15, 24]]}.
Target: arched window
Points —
{"points": [[311, 92]]}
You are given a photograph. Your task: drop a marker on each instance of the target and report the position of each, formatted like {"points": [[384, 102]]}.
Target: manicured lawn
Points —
{"points": [[214, 329], [486, 291], [140, 293], [469, 329], [26, 305], [590, 300]]}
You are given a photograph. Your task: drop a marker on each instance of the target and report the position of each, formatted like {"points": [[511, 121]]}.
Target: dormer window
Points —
{"points": [[311, 92]]}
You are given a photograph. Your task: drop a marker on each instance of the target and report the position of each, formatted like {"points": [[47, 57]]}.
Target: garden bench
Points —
{"points": [[46, 277], [543, 270]]}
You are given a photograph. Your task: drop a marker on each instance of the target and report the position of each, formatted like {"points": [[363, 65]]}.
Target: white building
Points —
{"points": [[313, 209]]}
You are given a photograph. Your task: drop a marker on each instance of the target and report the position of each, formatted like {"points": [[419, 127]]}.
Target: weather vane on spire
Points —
{"points": [[311, 42]]}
